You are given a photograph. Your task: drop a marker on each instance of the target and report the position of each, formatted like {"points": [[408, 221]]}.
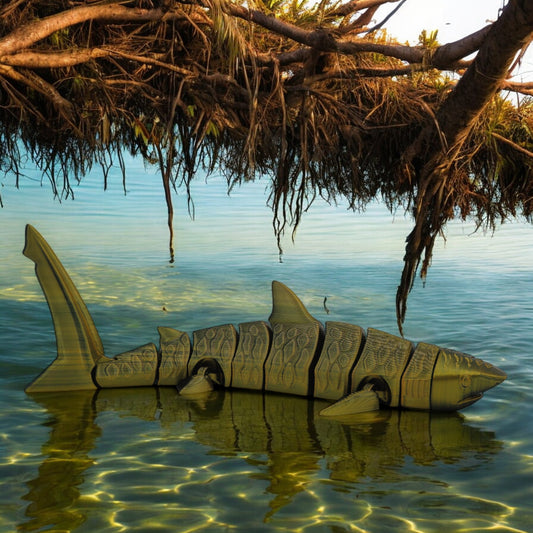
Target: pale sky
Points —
{"points": [[453, 18]]}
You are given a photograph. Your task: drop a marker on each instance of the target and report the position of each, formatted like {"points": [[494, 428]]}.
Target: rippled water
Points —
{"points": [[150, 460]]}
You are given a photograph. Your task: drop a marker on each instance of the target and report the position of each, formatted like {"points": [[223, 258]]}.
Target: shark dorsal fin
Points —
{"points": [[78, 344], [287, 308]]}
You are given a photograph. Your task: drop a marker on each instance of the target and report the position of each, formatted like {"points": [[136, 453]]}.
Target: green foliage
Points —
{"points": [[428, 39], [60, 39]]}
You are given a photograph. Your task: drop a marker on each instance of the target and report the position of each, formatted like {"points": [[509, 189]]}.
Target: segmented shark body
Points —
{"points": [[292, 353]]}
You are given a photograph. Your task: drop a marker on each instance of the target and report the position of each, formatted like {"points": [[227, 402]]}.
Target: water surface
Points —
{"points": [[150, 460]]}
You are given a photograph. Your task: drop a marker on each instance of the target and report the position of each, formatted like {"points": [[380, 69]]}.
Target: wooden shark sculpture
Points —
{"points": [[293, 354]]}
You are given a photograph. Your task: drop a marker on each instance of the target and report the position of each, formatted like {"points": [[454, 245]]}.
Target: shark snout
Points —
{"points": [[489, 376], [461, 380]]}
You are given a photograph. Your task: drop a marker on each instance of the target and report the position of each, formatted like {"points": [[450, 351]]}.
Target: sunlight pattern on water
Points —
{"points": [[150, 460]]}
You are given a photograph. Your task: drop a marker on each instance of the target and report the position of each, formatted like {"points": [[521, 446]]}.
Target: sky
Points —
{"points": [[453, 18]]}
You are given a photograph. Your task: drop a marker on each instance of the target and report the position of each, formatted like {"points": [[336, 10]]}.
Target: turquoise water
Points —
{"points": [[150, 460]]}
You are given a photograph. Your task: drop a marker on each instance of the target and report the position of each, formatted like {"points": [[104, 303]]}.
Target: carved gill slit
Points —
{"points": [[93, 377], [431, 380], [158, 366], [314, 362], [269, 351]]}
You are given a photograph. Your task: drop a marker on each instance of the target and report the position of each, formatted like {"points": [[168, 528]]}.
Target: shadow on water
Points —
{"points": [[282, 439]]}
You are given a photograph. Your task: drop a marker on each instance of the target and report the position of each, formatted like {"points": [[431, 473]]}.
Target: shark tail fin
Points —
{"points": [[79, 347]]}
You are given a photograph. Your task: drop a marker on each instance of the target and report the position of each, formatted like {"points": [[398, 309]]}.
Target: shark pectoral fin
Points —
{"points": [[198, 384], [361, 401], [79, 347]]}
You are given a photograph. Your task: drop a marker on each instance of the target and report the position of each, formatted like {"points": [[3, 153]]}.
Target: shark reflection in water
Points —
{"points": [[289, 441], [292, 354]]}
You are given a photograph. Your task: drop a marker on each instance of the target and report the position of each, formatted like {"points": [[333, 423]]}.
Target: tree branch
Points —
{"points": [[366, 72], [27, 35], [54, 59], [435, 199], [29, 78], [151, 61], [358, 5], [517, 147], [449, 53], [517, 87], [7, 9], [443, 57], [504, 38], [387, 18]]}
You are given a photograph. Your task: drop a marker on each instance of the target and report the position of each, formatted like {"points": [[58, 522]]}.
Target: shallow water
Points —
{"points": [[150, 460]]}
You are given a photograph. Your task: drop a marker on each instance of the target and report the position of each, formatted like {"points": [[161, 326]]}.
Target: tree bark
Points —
{"points": [[505, 38], [29, 34], [483, 79]]}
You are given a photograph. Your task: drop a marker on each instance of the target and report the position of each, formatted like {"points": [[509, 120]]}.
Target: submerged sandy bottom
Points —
{"points": [[149, 460]]}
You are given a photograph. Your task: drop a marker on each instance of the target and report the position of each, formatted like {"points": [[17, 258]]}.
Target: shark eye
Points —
{"points": [[466, 381]]}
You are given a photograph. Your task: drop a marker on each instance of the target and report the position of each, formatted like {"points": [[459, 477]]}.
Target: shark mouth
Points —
{"points": [[470, 400]]}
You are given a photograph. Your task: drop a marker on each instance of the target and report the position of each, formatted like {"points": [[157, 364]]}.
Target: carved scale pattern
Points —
{"points": [[293, 352], [341, 347], [416, 381], [136, 368], [219, 343], [453, 361], [252, 351], [384, 355], [175, 353]]}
